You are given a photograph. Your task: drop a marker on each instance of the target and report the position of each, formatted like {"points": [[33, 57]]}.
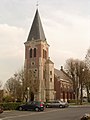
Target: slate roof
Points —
{"points": [[49, 61], [36, 31], [62, 74]]}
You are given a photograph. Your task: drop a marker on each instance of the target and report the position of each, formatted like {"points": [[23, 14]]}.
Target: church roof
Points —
{"points": [[49, 61], [62, 74], [36, 32]]}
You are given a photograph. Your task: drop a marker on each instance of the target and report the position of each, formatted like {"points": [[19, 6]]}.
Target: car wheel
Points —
{"points": [[60, 106], [47, 106], [63, 106], [20, 108], [36, 109]]}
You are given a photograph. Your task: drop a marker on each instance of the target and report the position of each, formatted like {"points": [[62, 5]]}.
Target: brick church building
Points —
{"points": [[47, 82]]}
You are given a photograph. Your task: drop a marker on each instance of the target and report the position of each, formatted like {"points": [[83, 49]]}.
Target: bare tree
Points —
{"points": [[13, 87], [1, 91], [22, 78], [87, 81], [0, 84], [87, 59], [24, 84], [30, 83], [74, 68]]}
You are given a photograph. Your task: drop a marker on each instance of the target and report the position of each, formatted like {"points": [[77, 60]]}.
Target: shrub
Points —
{"points": [[10, 105], [8, 99], [71, 101]]}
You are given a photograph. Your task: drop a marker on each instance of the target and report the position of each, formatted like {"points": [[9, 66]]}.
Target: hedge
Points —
{"points": [[10, 105]]}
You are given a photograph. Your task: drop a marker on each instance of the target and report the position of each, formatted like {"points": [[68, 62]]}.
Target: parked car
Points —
{"points": [[57, 103], [32, 105], [1, 109]]}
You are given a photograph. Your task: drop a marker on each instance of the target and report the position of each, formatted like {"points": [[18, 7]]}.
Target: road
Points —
{"points": [[71, 113]]}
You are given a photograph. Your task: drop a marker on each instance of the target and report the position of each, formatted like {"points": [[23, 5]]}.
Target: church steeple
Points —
{"points": [[37, 63], [36, 32]]}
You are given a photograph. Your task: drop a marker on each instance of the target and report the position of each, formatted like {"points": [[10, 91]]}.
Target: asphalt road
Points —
{"points": [[71, 113]]}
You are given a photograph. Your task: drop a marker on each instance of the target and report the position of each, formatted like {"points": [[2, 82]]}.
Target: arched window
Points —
{"points": [[31, 53], [34, 52], [44, 54]]}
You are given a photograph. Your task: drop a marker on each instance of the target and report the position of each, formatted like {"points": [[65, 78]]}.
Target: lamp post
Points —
{"points": [[81, 100], [77, 90], [15, 91], [27, 94]]}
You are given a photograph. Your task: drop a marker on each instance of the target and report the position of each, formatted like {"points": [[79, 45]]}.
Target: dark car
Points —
{"points": [[1, 109], [57, 103], [32, 105]]}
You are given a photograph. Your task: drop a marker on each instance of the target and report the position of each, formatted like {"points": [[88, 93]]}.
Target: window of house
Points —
{"points": [[34, 52], [43, 53], [31, 53], [50, 79], [50, 72]]}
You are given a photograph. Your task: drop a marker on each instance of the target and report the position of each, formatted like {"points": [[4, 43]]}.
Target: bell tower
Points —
{"points": [[36, 55]]}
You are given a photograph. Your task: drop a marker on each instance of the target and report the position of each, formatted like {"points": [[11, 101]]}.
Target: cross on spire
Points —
{"points": [[37, 4]]}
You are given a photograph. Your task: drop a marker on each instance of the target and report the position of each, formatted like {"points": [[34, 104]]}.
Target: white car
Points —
{"points": [[57, 103]]}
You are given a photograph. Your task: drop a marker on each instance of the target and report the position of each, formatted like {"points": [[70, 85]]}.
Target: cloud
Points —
{"points": [[68, 36], [11, 49], [66, 25]]}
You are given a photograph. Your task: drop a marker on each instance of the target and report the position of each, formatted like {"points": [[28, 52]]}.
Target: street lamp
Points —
{"points": [[81, 100], [77, 90], [28, 94]]}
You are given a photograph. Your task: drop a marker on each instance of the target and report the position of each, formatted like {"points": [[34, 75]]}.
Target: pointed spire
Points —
{"points": [[36, 32]]}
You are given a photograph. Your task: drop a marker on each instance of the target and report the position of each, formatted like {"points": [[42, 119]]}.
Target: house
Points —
{"points": [[43, 76]]}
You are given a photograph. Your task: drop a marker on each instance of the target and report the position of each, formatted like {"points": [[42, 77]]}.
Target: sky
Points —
{"points": [[66, 25]]}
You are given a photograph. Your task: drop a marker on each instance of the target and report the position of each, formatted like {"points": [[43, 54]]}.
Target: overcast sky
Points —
{"points": [[66, 25]]}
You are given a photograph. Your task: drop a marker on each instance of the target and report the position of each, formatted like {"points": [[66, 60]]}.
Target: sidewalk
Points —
{"points": [[79, 105]]}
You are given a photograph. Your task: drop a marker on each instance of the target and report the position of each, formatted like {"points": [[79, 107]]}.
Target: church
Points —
{"points": [[44, 81]]}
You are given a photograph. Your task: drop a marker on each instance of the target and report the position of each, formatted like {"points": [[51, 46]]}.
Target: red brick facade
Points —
{"points": [[63, 86]]}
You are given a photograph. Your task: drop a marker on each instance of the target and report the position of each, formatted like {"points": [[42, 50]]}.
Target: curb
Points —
{"points": [[79, 105]]}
